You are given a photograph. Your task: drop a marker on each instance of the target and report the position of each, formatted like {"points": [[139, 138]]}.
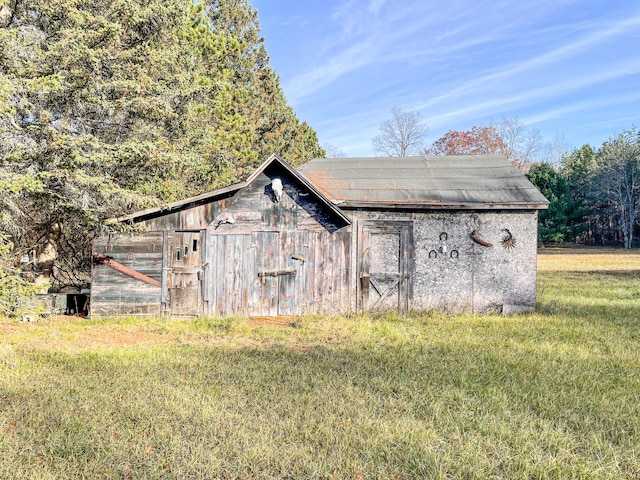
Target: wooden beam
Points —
{"points": [[277, 273]]}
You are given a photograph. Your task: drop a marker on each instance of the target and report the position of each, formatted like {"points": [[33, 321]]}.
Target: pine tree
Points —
{"points": [[89, 92], [113, 105]]}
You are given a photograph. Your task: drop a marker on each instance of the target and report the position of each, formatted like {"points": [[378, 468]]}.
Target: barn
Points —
{"points": [[457, 234]]}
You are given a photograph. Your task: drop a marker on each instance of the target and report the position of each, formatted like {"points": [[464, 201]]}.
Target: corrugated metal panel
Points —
{"points": [[465, 181]]}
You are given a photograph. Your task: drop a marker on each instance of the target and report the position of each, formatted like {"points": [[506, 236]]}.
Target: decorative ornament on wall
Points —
{"points": [[477, 239], [277, 188], [508, 241]]}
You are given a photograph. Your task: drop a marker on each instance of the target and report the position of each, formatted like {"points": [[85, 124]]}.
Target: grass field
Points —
{"points": [[552, 394]]}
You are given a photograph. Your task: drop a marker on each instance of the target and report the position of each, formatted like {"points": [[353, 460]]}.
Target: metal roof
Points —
{"points": [[445, 182]]}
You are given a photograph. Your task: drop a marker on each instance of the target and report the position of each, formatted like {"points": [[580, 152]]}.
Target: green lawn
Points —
{"points": [[554, 394]]}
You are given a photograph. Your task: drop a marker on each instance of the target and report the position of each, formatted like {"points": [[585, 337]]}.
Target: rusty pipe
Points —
{"points": [[129, 272]]}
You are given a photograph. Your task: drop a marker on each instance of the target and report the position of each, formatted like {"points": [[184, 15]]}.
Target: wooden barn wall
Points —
{"points": [[278, 273], [255, 209], [194, 218], [113, 293], [277, 258], [454, 273]]}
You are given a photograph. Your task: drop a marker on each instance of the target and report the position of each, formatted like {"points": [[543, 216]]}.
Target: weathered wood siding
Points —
{"points": [[259, 256], [385, 265], [255, 209], [182, 288], [196, 217], [113, 293], [285, 257], [278, 273]]}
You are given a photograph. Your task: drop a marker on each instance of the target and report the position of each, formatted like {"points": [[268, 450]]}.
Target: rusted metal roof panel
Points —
{"points": [[462, 182]]}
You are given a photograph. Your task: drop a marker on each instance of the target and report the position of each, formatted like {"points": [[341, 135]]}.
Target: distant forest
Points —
{"points": [[594, 194]]}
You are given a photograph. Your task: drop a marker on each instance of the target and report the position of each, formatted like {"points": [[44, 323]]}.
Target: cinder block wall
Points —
{"points": [[453, 273]]}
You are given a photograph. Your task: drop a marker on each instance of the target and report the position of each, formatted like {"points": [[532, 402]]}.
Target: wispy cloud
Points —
{"points": [[375, 5], [582, 105], [460, 63], [496, 100], [407, 31]]}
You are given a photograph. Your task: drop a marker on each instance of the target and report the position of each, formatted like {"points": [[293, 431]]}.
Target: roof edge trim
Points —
{"points": [[444, 206]]}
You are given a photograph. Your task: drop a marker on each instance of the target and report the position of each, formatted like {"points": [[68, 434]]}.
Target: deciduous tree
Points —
{"points": [[401, 135], [523, 144], [477, 141], [619, 179]]}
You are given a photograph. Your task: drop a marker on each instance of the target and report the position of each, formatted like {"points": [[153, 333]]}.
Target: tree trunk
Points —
{"points": [[45, 259]]}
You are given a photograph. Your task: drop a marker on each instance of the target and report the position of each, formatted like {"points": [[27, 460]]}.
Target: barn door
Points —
{"points": [[184, 279], [385, 264], [280, 272]]}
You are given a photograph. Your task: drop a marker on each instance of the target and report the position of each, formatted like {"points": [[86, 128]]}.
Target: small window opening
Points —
{"points": [[178, 254], [186, 250], [195, 245]]}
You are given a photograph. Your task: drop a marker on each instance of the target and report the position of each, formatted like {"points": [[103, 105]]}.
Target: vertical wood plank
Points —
{"points": [[341, 290], [302, 250], [268, 260], [286, 300], [166, 246], [254, 282], [311, 268], [233, 258], [348, 287], [319, 294], [273, 283], [220, 274], [228, 275], [213, 275], [260, 263], [245, 279], [328, 272]]}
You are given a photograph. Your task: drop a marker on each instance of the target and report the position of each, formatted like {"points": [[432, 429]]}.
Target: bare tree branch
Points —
{"points": [[401, 135], [619, 179]]}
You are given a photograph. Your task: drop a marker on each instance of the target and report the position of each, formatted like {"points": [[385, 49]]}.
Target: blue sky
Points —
{"points": [[569, 68]]}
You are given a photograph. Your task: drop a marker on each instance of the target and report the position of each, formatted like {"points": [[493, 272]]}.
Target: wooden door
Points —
{"points": [[385, 265], [281, 272], [184, 279], [256, 274], [278, 273]]}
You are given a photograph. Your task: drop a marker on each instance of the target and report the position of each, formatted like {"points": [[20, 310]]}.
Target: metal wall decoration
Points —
{"points": [[508, 241], [477, 239]]}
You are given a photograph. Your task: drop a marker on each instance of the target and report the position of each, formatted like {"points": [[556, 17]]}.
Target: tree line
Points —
{"points": [[111, 106], [594, 193]]}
